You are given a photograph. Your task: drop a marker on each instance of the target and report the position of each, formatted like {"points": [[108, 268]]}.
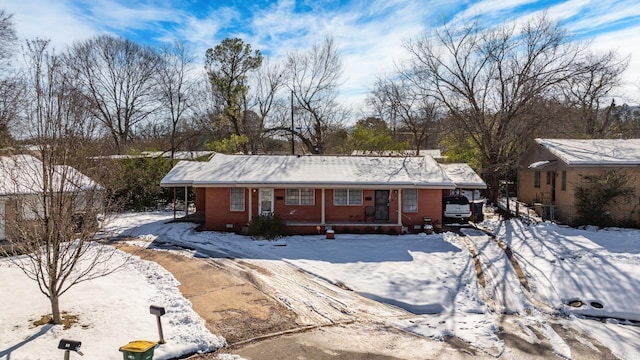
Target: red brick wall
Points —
{"points": [[297, 212], [200, 199], [217, 213]]}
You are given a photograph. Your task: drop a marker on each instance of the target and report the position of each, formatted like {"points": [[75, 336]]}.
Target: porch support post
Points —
{"points": [[322, 210], [250, 215], [400, 207], [186, 201], [174, 202]]}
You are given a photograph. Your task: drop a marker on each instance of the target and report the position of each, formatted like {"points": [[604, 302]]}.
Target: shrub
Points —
{"points": [[269, 226], [596, 194]]}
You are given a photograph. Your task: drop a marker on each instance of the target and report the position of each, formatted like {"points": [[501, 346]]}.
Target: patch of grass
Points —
{"points": [[67, 320]]}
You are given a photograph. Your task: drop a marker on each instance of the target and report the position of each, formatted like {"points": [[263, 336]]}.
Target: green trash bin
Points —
{"points": [[138, 350]]}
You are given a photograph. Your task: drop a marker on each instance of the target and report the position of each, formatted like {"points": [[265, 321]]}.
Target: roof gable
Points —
{"points": [[594, 151]]}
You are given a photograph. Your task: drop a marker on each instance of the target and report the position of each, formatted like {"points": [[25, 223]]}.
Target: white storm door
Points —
{"points": [[265, 203]]}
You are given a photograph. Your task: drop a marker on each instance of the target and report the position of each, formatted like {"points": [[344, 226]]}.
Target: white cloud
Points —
{"points": [[370, 33], [52, 20], [624, 43]]}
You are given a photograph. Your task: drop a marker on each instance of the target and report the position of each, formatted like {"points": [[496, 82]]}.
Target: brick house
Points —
{"points": [[550, 168], [314, 193]]}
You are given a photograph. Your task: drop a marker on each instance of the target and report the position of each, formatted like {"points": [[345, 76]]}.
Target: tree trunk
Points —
{"points": [[55, 309]]}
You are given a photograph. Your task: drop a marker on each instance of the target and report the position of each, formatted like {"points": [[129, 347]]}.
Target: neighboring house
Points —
{"points": [[21, 189], [178, 155], [314, 193], [550, 169], [434, 153]]}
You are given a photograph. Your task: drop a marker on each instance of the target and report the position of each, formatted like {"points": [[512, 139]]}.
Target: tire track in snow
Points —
{"points": [[506, 287]]}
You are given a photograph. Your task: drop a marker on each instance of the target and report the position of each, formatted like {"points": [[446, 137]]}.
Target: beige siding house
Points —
{"points": [[550, 169], [22, 186]]}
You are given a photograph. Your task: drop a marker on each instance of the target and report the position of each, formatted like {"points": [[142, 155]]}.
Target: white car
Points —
{"points": [[457, 207]]}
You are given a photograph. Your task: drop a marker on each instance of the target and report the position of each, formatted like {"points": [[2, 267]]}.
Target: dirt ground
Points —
{"points": [[230, 305], [227, 295]]}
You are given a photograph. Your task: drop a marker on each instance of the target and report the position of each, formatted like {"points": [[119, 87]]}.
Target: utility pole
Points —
{"points": [[293, 144]]}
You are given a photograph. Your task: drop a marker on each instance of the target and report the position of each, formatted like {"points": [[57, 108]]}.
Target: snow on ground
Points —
{"points": [[599, 268], [432, 277], [112, 310], [422, 274]]}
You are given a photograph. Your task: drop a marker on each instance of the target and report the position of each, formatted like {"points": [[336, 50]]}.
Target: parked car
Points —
{"points": [[457, 207]]}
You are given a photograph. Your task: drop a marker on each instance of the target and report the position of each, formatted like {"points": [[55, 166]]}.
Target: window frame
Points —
{"points": [[563, 182], [536, 179], [348, 197], [405, 202], [299, 197], [232, 203]]}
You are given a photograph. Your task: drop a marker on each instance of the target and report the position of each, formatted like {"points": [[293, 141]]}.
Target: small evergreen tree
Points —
{"points": [[141, 182], [596, 194]]}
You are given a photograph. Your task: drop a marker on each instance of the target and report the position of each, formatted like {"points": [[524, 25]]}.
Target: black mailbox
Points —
{"points": [[71, 345], [156, 310]]}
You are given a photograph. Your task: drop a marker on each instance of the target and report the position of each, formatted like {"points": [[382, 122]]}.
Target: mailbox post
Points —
{"points": [[158, 311], [68, 346]]}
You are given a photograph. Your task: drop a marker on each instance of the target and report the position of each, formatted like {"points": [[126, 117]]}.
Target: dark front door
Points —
{"points": [[382, 205]]}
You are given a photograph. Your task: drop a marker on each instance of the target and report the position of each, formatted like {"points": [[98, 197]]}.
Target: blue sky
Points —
{"points": [[370, 33]]}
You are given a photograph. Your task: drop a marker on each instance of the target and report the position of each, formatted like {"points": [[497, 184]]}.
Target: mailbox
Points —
{"points": [[70, 345], [156, 310]]}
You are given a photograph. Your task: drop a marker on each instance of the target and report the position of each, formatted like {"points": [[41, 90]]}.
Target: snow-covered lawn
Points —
{"points": [[430, 276], [112, 311]]}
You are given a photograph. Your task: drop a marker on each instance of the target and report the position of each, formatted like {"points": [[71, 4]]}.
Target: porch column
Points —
{"points": [[322, 209], [250, 205], [400, 207], [186, 201]]}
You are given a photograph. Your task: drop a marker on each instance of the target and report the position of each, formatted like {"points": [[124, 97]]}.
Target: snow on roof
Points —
{"points": [[22, 174], [178, 155], [431, 152], [183, 173], [463, 176], [539, 164], [594, 151], [343, 171]]}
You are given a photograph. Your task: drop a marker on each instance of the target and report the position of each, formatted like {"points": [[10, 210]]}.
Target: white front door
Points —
{"points": [[1, 220], [265, 201]]}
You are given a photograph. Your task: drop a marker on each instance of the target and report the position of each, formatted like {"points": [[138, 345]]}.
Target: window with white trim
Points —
{"points": [[236, 202], [347, 197], [300, 197], [410, 200]]}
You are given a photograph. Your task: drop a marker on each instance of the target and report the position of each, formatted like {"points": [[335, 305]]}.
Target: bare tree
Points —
{"points": [[588, 94], [117, 79], [7, 35], [176, 86], [268, 106], [489, 81], [313, 81], [10, 88], [407, 108], [54, 206]]}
